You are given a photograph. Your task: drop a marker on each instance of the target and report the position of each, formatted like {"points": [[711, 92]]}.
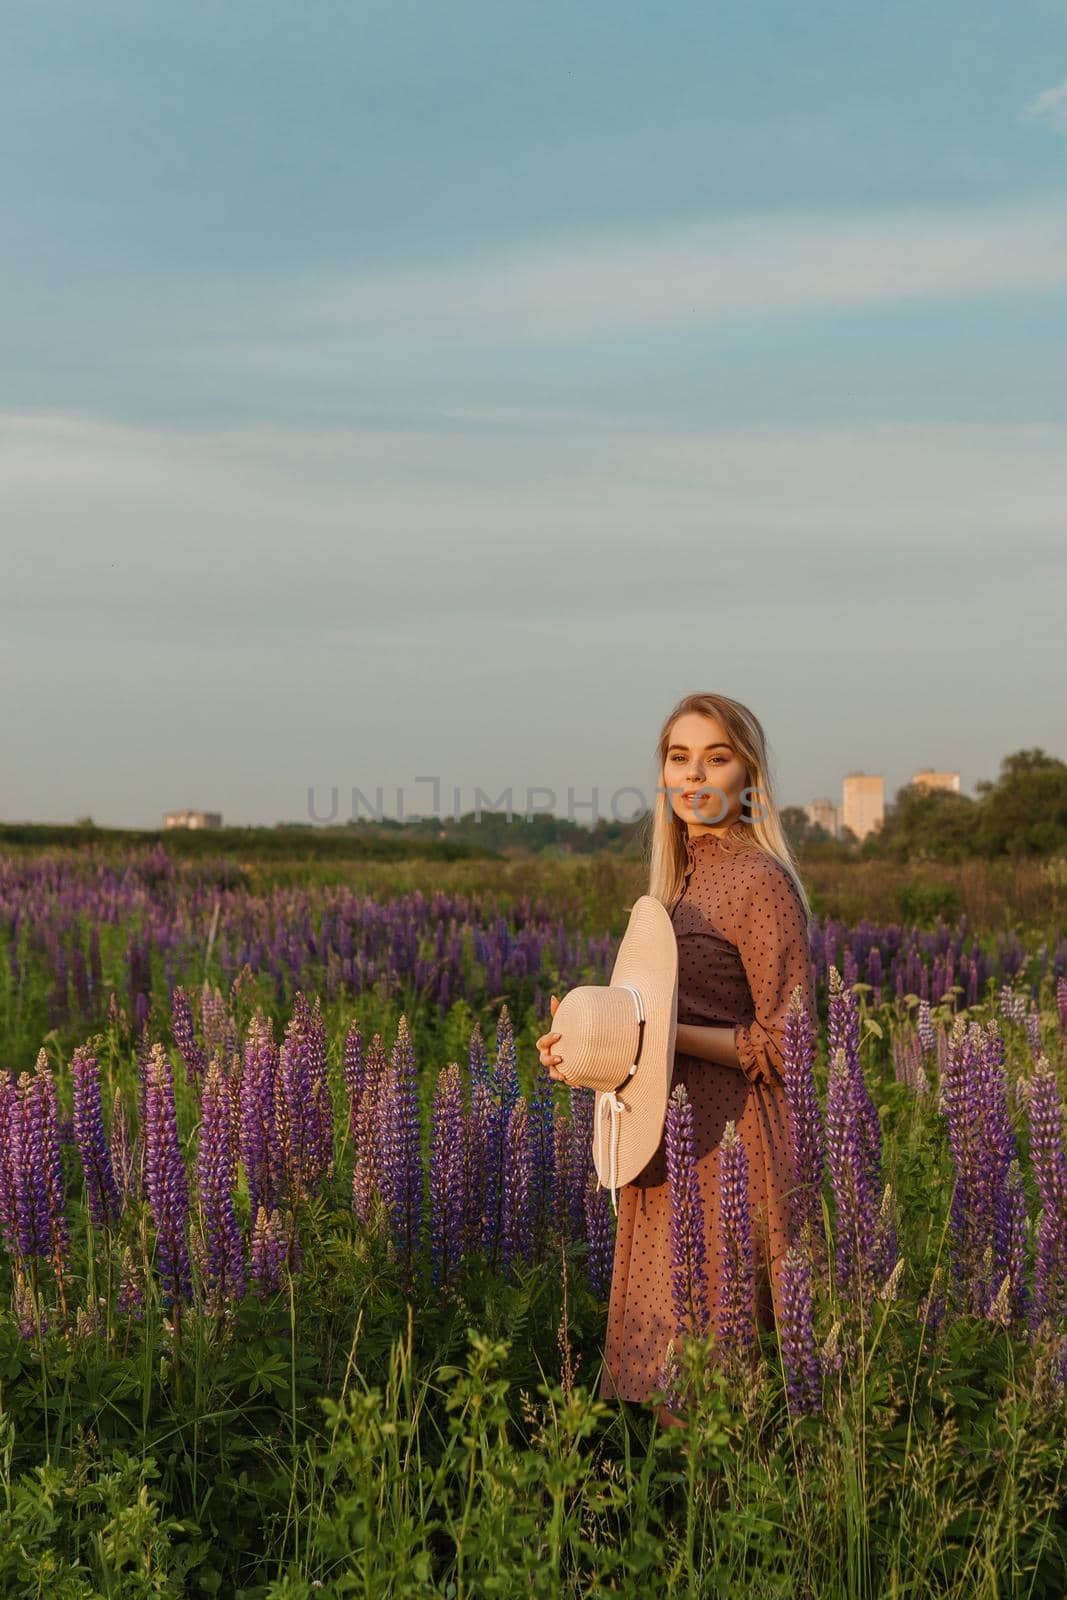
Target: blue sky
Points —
{"points": [[389, 390]]}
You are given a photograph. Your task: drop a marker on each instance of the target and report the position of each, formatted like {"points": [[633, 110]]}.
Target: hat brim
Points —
{"points": [[647, 958]]}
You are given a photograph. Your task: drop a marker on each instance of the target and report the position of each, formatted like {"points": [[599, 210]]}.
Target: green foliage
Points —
{"points": [[923, 903]]}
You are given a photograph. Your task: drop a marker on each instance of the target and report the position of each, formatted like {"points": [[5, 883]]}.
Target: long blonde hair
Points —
{"points": [[665, 834]]}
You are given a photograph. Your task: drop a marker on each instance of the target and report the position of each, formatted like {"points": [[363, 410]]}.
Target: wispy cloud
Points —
{"points": [[699, 273], [1049, 106]]}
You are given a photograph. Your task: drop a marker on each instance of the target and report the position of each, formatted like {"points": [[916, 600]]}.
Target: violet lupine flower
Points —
{"points": [[367, 1177], [446, 1175], [855, 1205], [599, 1230], [166, 1184], [124, 1152], [689, 1279], [130, 1300], [1061, 1001], [259, 1143], [105, 1203], [216, 1166], [843, 1032], [401, 1152], [8, 1167], [994, 1201], [219, 1029], [33, 1222], [518, 1178], [52, 1163], [800, 1357], [1050, 1173], [268, 1252], [320, 1106], [1033, 1030], [736, 1329], [294, 1113], [805, 1117], [185, 1037], [30, 1314], [970, 1219]]}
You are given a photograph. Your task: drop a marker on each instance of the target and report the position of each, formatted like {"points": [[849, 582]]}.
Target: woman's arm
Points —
{"points": [[708, 1044]]}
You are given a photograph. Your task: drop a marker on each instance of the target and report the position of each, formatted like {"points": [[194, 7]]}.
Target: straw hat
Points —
{"points": [[618, 1039]]}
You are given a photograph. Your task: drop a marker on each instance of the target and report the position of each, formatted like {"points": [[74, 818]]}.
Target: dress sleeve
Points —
{"points": [[771, 936]]}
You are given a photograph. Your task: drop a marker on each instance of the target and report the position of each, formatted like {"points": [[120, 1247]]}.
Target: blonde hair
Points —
{"points": [[665, 833]]}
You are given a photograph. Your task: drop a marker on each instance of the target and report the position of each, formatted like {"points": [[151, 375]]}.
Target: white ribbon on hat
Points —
{"points": [[610, 1103]]}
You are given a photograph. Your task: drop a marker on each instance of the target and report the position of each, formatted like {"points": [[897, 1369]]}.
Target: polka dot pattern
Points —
{"points": [[742, 948]]}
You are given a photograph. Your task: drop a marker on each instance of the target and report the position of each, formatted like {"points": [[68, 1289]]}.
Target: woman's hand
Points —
{"points": [[549, 1060]]}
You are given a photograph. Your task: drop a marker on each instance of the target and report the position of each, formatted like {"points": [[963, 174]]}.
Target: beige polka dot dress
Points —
{"points": [[742, 948]]}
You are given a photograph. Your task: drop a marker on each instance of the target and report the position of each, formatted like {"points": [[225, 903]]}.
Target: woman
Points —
{"points": [[721, 864]]}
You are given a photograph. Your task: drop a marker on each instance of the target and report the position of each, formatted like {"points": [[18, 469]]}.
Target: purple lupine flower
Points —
{"points": [[130, 1300], [1033, 1030], [268, 1252], [518, 1177], [367, 1173], [1050, 1174], [320, 1105], [293, 1111], [258, 1133], [124, 1152], [401, 1148], [105, 1203], [805, 1118], [1061, 1001], [993, 1201], [800, 1358], [926, 1029], [963, 1091], [52, 1164], [446, 1175], [30, 1315], [8, 1167], [855, 1206], [185, 1038], [736, 1329], [219, 1029], [166, 1184], [843, 1032], [33, 1225], [599, 1231], [216, 1164], [689, 1279]]}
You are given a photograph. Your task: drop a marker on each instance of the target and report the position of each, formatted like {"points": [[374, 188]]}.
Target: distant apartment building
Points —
{"points": [[192, 819], [822, 813], [863, 802], [927, 778]]}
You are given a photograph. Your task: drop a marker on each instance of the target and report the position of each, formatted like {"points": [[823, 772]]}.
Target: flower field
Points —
{"points": [[305, 1266]]}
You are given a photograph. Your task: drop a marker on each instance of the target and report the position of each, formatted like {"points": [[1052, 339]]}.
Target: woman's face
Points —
{"points": [[701, 758]]}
